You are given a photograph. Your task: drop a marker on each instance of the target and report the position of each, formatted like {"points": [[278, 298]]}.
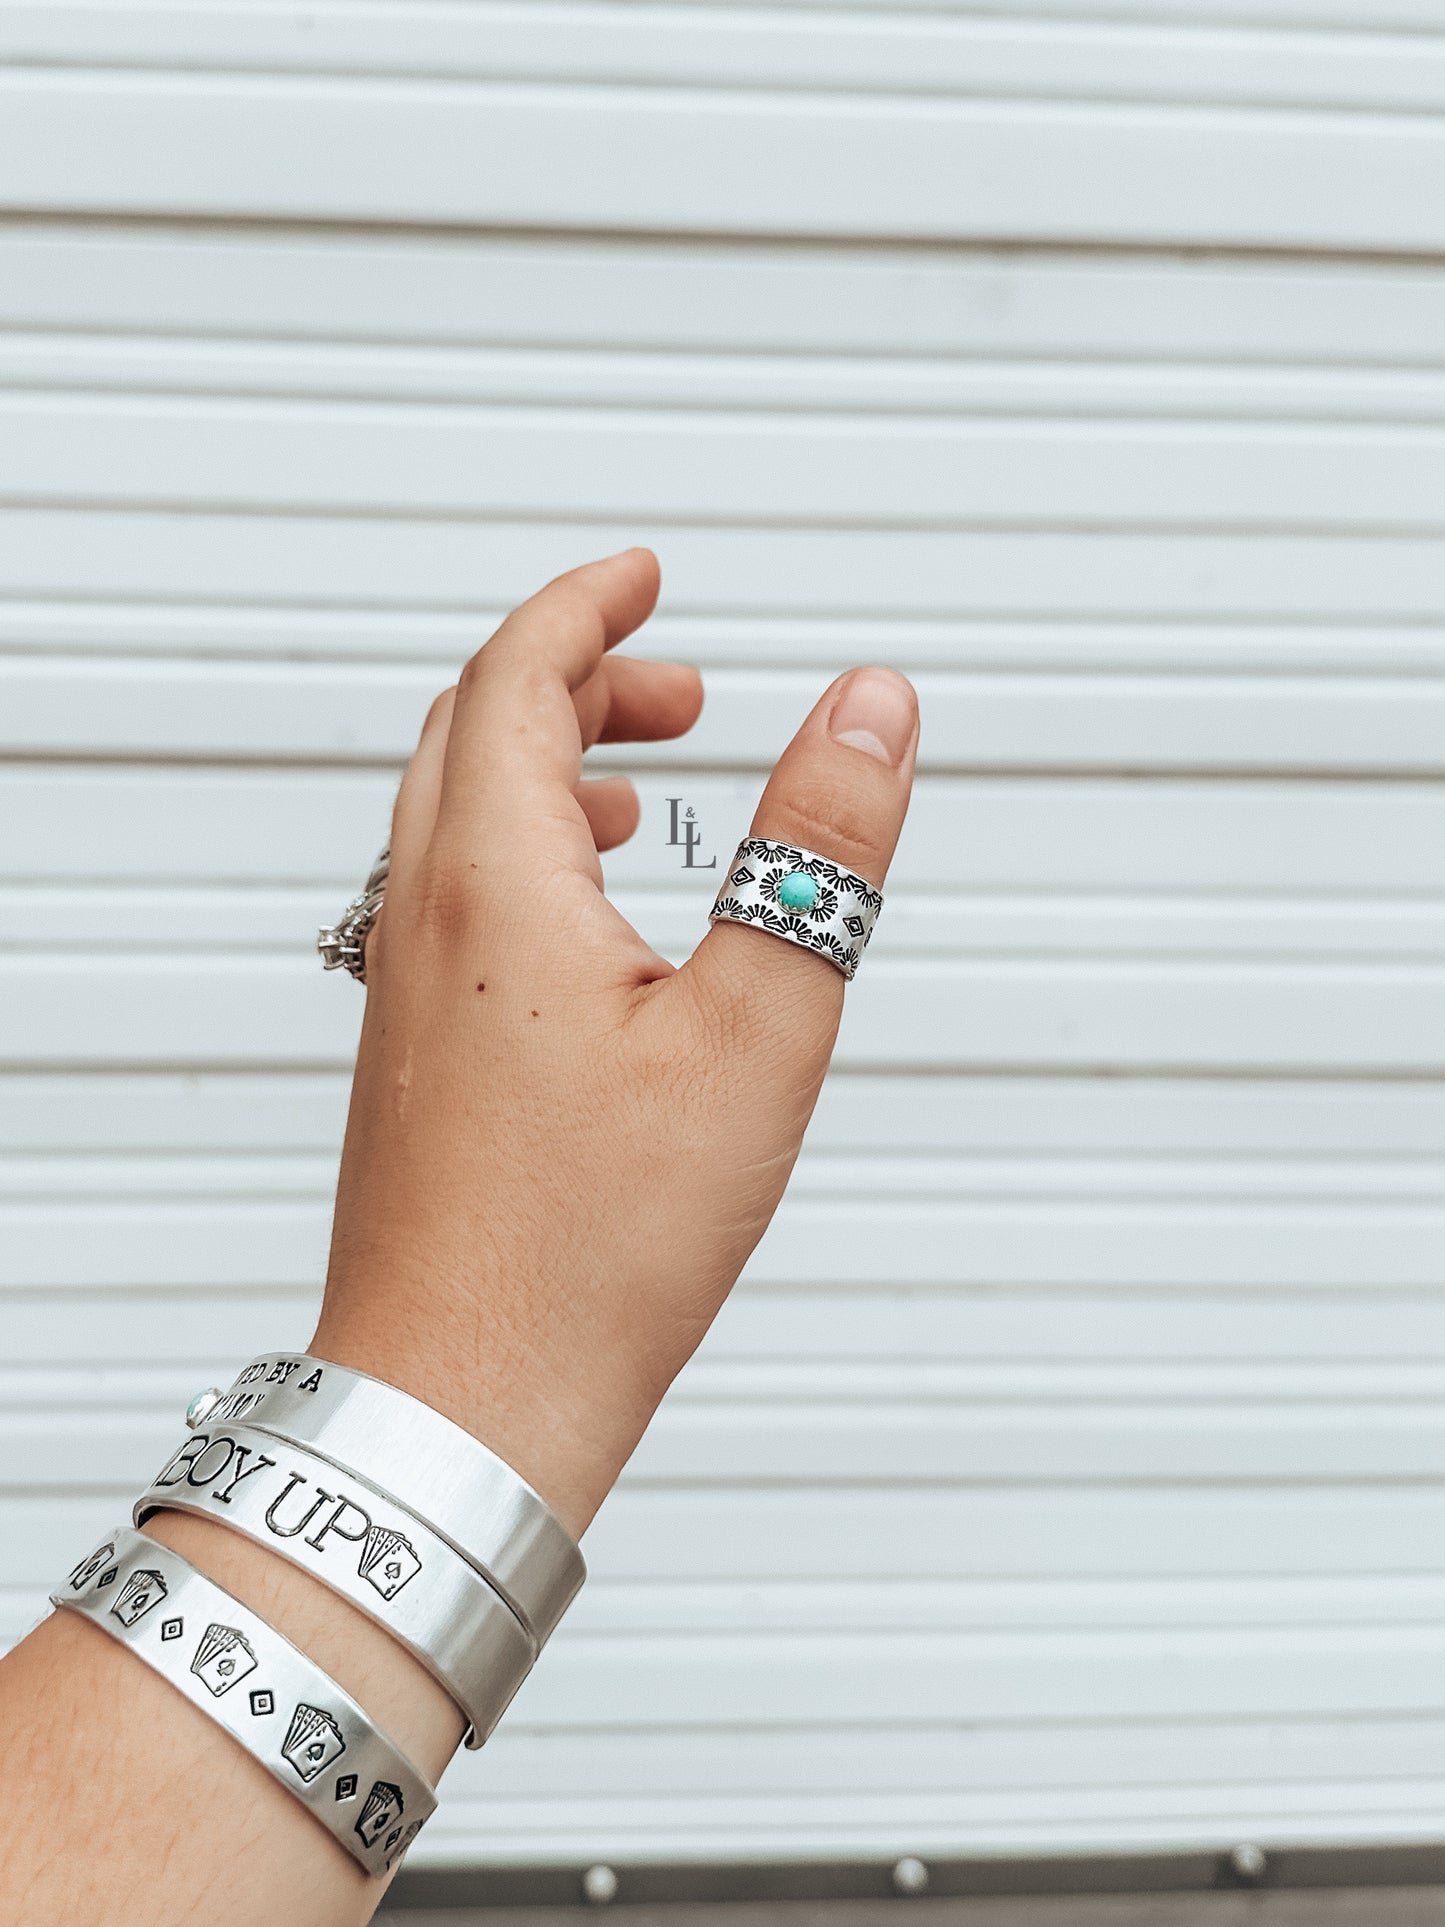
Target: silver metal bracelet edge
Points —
{"points": [[296, 1721], [366, 1548], [394, 1443]]}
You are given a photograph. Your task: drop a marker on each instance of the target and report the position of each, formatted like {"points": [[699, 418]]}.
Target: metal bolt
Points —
{"points": [[910, 1876], [201, 1406], [1248, 1861], [599, 1885]]}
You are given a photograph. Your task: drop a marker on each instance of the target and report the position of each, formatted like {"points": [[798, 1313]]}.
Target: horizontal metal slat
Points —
{"points": [[708, 161], [244, 631], [865, 50], [433, 565], [787, 385], [368, 713], [665, 294], [673, 465]]}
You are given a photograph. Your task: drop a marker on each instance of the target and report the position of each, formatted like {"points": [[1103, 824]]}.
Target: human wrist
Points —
{"points": [[564, 1424]]}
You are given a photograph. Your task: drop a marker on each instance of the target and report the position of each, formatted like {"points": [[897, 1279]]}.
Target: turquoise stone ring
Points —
{"points": [[802, 897]]}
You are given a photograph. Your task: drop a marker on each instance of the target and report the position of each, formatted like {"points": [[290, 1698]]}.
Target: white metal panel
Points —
{"points": [[713, 160], [824, 51], [1066, 1472]]}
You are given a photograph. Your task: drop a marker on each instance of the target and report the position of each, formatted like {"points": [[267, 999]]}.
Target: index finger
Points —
{"points": [[514, 750]]}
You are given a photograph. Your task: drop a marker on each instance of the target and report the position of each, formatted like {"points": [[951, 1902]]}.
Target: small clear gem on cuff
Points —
{"points": [[202, 1405]]}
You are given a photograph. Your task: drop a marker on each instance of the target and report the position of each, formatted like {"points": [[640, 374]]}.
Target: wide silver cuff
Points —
{"points": [[426, 1464], [802, 897], [304, 1729], [365, 1547]]}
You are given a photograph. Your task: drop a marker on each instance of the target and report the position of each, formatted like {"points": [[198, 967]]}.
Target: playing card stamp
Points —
{"points": [[388, 1561], [381, 1813], [141, 1591], [313, 1740], [223, 1657], [93, 1563]]}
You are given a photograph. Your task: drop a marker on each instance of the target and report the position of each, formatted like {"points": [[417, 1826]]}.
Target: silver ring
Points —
{"points": [[343, 945], [304, 1729], [801, 897], [395, 1444], [371, 1551]]}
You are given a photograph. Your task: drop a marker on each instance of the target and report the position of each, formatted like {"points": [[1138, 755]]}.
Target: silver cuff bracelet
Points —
{"points": [[373, 1552], [397, 1445], [303, 1728]]}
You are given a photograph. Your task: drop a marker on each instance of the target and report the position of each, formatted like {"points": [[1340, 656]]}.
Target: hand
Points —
{"points": [[561, 1150]]}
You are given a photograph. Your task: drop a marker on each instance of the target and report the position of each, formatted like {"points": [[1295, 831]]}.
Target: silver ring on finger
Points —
{"points": [[343, 944], [802, 897]]}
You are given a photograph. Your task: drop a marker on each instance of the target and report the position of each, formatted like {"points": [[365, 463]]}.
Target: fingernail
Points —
{"points": [[875, 713]]}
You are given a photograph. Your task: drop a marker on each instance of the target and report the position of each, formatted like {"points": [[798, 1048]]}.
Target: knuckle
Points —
{"points": [[473, 670], [442, 906], [573, 608], [765, 1001], [819, 817], [734, 1020]]}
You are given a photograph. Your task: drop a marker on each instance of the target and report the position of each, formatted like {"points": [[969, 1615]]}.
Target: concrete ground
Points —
{"points": [[1305, 1907]]}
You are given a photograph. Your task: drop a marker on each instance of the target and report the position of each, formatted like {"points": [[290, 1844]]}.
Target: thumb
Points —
{"points": [[841, 789]]}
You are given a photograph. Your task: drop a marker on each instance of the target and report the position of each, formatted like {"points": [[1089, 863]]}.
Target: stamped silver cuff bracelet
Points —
{"points": [[801, 897], [365, 1547], [303, 1728], [426, 1464]]}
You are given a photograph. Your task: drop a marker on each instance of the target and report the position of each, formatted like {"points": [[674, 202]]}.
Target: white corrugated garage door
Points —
{"points": [[1067, 1472]]}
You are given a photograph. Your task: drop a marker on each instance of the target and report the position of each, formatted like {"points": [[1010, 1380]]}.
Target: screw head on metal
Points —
{"points": [[202, 1405], [599, 1885], [910, 1876], [1248, 1861]]}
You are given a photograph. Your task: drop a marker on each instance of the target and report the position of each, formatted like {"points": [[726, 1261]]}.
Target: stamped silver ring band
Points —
{"points": [[801, 897], [363, 1546], [303, 1728], [426, 1464], [343, 945]]}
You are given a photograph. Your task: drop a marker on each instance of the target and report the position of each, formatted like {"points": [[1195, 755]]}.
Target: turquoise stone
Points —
{"points": [[798, 891]]}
